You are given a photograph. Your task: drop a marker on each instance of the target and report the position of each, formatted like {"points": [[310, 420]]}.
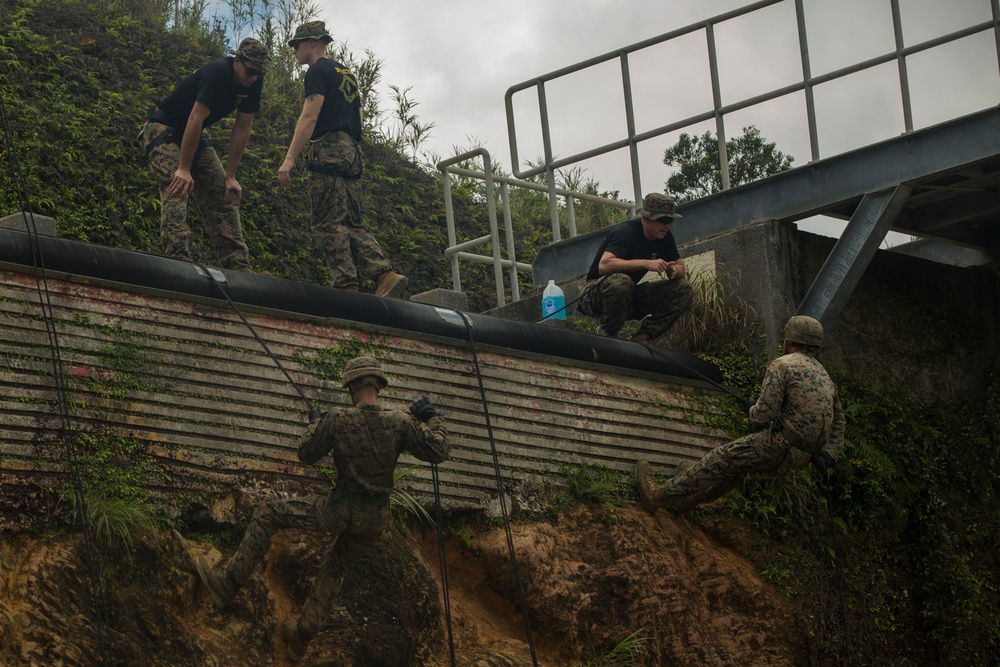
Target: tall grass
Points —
{"points": [[114, 521], [625, 654], [402, 500], [717, 315]]}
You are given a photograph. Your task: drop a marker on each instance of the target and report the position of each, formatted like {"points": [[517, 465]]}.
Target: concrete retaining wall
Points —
{"points": [[190, 385]]}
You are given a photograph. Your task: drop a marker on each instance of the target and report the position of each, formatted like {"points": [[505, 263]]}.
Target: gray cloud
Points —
{"points": [[461, 57]]}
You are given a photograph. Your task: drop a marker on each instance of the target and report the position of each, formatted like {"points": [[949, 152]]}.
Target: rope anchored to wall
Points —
{"points": [[69, 443], [219, 279]]}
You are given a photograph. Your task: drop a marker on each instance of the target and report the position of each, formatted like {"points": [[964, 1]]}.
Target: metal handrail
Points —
{"points": [[719, 110], [457, 251]]}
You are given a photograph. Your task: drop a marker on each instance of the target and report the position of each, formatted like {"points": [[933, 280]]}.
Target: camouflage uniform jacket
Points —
{"points": [[799, 395], [365, 442]]}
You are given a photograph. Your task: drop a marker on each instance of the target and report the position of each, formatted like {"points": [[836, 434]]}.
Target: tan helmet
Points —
{"points": [[363, 366], [804, 330]]}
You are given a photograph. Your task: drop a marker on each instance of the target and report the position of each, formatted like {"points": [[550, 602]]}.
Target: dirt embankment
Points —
{"points": [[588, 582]]}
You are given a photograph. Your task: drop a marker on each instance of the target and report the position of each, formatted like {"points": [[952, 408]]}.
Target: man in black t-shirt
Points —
{"points": [[331, 124], [182, 162], [631, 249]]}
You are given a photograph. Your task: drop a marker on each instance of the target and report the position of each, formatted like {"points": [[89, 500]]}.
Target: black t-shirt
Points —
{"points": [[213, 86], [626, 241], [341, 98]]}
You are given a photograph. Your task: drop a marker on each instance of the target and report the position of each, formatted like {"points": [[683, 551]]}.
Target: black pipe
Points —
{"points": [[163, 273]]}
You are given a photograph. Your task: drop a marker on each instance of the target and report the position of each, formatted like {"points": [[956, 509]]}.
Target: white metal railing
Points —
{"points": [[459, 251], [719, 111]]}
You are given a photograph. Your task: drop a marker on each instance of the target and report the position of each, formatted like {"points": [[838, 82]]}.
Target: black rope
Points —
{"points": [[62, 395], [836, 566], [658, 353], [503, 502], [712, 382], [313, 410], [443, 561]]}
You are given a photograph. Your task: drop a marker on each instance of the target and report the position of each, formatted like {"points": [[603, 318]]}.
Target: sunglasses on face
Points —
{"points": [[251, 71]]}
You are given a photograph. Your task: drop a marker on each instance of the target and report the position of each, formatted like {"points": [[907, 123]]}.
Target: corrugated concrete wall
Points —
{"points": [[186, 386]]}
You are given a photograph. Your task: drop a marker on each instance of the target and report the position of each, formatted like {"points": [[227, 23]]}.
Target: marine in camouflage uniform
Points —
{"points": [[182, 163], [331, 124], [804, 420], [613, 293], [365, 442]]}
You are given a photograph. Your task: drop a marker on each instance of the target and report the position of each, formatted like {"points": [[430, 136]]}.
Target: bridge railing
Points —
{"points": [[550, 163], [460, 251]]}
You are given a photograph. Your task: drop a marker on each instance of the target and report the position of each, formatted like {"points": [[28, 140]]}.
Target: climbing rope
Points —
{"points": [[503, 502], [655, 350], [102, 624], [660, 354], [836, 566], [211, 274], [443, 561]]}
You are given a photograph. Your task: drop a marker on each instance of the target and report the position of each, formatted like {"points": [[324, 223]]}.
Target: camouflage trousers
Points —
{"points": [[221, 216], [350, 247], [614, 298], [722, 469], [355, 523]]}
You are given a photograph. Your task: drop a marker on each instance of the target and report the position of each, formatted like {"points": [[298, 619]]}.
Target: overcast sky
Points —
{"points": [[461, 56]]}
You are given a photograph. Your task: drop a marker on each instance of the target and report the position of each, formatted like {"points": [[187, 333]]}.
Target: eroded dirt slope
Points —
{"points": [[589, 581]]}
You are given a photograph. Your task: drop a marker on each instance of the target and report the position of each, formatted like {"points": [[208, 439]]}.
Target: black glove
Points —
{"points": [[423, 410], [314, 413], [749, 403], [823, 461]]}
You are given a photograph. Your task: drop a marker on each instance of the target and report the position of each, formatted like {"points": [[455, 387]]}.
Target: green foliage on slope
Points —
{"points": [[915, 498], [910, 517], [77, 79]]}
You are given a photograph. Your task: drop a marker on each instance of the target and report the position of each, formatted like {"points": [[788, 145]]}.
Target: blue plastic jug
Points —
{"points": [[553, 302]]}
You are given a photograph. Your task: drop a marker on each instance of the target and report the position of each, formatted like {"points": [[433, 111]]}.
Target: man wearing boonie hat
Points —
{"points": [[631, 249], [182, 162], [331, 124]]}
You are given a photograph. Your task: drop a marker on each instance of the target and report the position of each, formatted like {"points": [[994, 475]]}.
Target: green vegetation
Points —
{"points": [[113, 465], [329, 363], [591, 485], [717, 315], [915, 499], [112, 499], [404, 504], [910, 518], [625, 654], [77, 78], [114, 522]]}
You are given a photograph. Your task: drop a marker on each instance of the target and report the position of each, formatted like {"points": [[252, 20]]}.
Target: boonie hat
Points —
{"points": [[656, 206], [310, 30], [251, 49]]}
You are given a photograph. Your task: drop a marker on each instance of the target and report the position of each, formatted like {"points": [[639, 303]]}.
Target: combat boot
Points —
{"points": [[683, 467], [219, 587], [294, 642], [647, 483], [390, 285]]}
